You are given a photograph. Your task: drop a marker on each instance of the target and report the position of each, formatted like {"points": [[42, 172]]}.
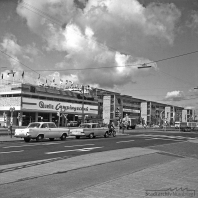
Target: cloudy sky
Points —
{"points": [[102, 43]]}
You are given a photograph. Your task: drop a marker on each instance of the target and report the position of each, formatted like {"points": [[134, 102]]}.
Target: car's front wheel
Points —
{"points": [[77, 137], [26, 139], [63, 137], [51, 139], [39, 137], [106, 135]]}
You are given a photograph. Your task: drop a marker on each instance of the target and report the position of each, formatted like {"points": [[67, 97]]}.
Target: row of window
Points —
{"points": [[47, 98]]}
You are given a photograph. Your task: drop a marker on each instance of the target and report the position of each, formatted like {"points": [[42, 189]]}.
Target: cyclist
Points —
{"points": [[111, 127]]}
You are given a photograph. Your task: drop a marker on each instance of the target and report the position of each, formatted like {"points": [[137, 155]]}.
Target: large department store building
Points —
{"points": [[38, 103]]}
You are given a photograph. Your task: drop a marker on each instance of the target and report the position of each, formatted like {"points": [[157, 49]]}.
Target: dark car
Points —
{"points": [[72, 124]]}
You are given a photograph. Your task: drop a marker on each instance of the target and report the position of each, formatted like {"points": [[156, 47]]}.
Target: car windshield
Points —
{"points": [[34, 125], [85, 126]]}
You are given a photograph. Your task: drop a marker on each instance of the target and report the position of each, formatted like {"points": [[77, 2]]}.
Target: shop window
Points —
{"points": [[32, 89]]}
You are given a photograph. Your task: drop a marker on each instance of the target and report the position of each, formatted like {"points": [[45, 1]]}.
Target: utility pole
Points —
{"points": [[12, 109], [83, 94]]}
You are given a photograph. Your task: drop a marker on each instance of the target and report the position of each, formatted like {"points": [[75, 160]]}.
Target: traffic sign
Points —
{"points": [[12, 109]]}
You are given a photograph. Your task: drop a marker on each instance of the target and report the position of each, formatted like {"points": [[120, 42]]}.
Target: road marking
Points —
{"points": [[43, 144], [80, 145], [49, 143], [18, 146], [83, 149], [12, 152], [165, 136], [125, 141], [88, 149]]}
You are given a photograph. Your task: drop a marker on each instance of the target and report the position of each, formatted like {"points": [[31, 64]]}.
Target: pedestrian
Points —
{"points": [[123, 126]]}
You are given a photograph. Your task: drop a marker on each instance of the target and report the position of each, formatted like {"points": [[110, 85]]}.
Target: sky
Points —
{"points": [[102, 43]]}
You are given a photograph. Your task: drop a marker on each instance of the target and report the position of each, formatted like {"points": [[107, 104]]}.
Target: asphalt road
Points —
{"points": [[173, 145], [17, 152]]}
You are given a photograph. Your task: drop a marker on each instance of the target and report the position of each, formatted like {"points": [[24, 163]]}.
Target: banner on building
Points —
{"points": [[106, 108]]}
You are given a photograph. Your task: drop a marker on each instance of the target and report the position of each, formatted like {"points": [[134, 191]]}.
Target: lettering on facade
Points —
{"points": [[45, 106], [61, 107], [70, 107]]}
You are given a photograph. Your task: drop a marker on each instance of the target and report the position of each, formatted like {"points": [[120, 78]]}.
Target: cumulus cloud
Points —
{"points": [[175, 96], [157, 20], [93, 33], [17, 54], [193, 22], [10, 45]]}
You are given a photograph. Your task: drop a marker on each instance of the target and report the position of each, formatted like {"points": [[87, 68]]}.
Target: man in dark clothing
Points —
{"points": [[110, 127]]}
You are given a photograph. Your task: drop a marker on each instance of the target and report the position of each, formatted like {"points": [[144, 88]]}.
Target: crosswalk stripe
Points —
{"points": [[125, 141]]}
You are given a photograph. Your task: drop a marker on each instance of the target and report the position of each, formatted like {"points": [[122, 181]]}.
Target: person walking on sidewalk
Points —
{"points": [[122, 126]]}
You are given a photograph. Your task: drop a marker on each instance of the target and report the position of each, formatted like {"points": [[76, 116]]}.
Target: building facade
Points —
{"points": [[34, 103], [21, 104]]}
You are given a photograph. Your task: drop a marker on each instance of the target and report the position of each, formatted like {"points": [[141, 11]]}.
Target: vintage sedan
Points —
{"points": [[41, 130], [90, 130], [72, 124]]}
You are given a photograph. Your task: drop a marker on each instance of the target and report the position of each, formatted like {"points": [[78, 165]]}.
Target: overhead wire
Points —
{"points": [[45, 15]]}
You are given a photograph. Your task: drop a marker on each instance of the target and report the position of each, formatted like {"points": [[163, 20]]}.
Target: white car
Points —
{"points": [[41, 130], [90, 130]]}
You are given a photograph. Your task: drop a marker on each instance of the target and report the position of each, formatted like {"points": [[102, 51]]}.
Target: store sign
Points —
{"points": [[106, 108], [54, 106], [131, 111]]}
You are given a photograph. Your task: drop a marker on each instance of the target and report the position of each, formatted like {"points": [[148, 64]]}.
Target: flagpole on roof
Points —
{"points": [[22, 75]]}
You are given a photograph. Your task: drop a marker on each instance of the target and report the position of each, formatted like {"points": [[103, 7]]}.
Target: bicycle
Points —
{"points": [[112, 132]]}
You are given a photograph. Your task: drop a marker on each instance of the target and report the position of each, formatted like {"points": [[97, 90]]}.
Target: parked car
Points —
{"points": [[155, 126], [72, 124], [90, 130], [41, 130]]}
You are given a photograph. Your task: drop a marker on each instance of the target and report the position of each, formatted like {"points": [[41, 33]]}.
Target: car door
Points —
{"points": [[54, 132], [88, 129], [97, 129], [45, 130]]}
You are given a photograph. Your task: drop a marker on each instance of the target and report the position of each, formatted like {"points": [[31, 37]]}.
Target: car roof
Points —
{"points": [[90, 123], [42, 122]]}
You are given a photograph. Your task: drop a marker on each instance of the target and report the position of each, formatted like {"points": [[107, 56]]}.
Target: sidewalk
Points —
{"points": [[7, 138], [178, 178]]}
